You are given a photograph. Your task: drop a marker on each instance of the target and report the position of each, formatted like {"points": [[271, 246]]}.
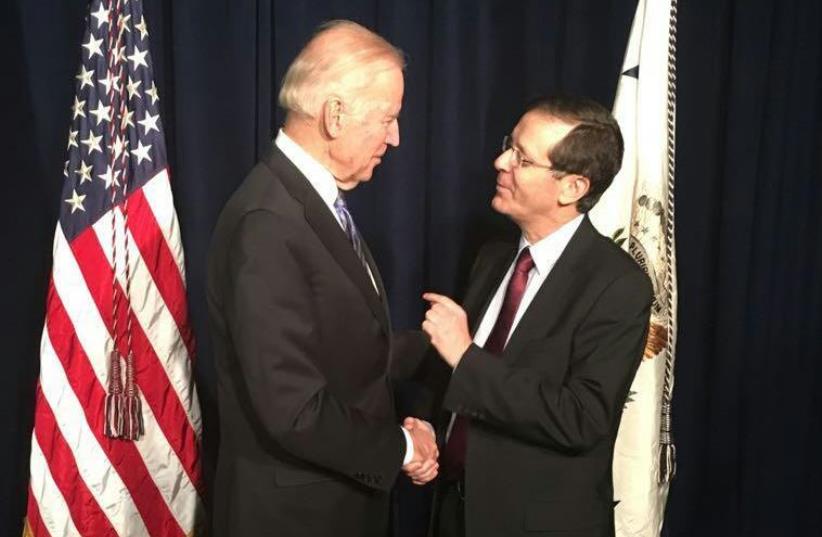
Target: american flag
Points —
{"points": [[116, 332]]}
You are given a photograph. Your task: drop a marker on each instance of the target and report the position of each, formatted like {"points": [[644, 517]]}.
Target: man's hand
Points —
{"points": [[423, 466], [447, 325]]}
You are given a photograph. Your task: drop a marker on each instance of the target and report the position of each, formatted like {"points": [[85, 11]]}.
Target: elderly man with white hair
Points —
{"points": [[310, 443]]}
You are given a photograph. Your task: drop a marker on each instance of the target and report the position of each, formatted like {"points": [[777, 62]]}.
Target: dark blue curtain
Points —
{"points": [[747, 409], [748, 399]]}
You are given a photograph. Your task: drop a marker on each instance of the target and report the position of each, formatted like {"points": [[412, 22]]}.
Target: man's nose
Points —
{"points": [[393, 135], [503, 161]]}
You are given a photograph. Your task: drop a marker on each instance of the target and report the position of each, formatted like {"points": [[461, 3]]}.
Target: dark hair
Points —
{"points": [[593, 148]]}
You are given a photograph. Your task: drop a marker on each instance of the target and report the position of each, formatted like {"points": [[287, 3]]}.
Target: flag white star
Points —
{"points": [[119, 146], [152, 91], [126, 121], [138, 58], [108, 177], [72, 139], [84, 172], [102, 113], [142, 27], [119, 54], [150, 122], [65, 168], [76, 201], [77, 108], [110, 81], [132, 87], [101, 15], [93, 46], [92, 142], [141, 152], [85, 77], [122, 22]]}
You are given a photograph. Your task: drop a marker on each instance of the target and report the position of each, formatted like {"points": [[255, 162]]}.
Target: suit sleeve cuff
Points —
{"points": [[475, 366]]}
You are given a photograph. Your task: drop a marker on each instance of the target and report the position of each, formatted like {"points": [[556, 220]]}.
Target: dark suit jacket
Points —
{"points": [[544, 415], [310, 444]]}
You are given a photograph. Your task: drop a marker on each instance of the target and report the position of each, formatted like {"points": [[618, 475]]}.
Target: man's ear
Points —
{"points": [[574, 187], [332, 116]]}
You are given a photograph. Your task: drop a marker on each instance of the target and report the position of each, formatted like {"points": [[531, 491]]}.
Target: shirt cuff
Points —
{"points": [[409, 447]]}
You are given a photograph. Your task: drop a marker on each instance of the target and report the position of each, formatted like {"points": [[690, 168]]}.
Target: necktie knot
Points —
{"points": [[341, 208], [339, 203], [350, 229], [524, 262], [510, 303]]}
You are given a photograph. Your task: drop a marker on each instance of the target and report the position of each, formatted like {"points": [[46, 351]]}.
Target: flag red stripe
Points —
{"points": [[160, 262], [79, 500], [151, 377], [123, 456], [35, 522]]}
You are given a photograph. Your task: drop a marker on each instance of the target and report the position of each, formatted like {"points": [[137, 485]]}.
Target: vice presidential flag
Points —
{"points": [[637, 211]]}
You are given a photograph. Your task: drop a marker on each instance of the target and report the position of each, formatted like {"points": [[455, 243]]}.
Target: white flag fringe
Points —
{"points": [[637, 211]]}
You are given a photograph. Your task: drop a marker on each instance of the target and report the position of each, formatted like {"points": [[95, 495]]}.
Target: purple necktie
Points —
{"points": [[350, 229], [453, 456]]}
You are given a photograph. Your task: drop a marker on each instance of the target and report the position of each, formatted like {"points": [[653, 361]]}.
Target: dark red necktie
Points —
{"points": [[453, 456]]}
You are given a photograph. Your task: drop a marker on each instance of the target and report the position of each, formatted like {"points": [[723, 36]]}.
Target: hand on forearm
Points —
{"points": [[447, 325]]}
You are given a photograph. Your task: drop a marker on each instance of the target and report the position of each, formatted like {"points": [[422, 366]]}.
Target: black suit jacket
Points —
{"points": [[310, 444], [545, 414]]}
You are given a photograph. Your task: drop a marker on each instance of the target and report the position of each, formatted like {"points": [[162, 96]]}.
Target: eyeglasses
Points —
{"points": [[518, 160]]}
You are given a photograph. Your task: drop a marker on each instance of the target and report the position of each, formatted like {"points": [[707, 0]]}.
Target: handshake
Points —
{"points": [[447, 326], [423, 466]]}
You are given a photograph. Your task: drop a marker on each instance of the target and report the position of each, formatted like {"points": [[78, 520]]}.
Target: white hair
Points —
{"points": [[341, 59]]}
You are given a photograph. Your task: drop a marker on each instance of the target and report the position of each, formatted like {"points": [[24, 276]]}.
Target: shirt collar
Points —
{"points": [[318, 175], [547, 250]]}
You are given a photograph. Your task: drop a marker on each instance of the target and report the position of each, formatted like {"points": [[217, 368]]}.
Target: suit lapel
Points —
{"points": [[330, 233], [556, 291], [377, 279]]}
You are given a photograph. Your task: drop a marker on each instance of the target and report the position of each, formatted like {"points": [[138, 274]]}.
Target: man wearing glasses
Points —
{"points": [[548, 343]]}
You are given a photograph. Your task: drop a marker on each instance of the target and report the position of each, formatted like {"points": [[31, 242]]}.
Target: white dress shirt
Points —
{"points": [[545, 254], [318, 175], [324, 183]]}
